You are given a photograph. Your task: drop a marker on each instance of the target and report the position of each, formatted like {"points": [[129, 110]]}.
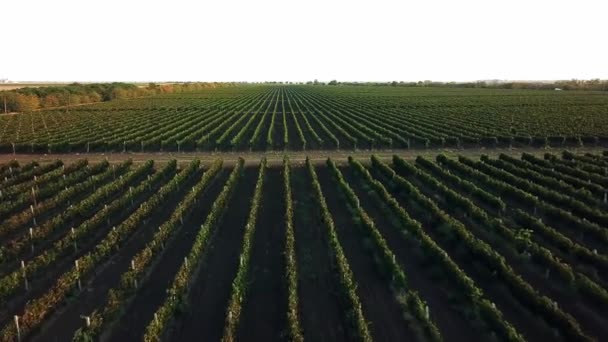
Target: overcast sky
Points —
{"points": [[252, 40]]}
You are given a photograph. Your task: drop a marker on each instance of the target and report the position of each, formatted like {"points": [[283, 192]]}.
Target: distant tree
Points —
{"points": [[75, 99], [94, 97], [118, 93], [50, 101], [26, 103], [166, 88], [315, 82], [333, 82], [394, 83]]}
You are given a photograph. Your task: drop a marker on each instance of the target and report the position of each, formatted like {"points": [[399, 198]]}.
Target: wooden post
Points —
{"points": [[16, 319], [33, 214], [32, 238], [34, 195], [133, 269], [27, 285], [78, 271], [5, 108]]}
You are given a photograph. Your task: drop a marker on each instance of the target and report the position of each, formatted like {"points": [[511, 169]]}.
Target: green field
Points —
{"points": [[307, 213], [370, 249], [297, 117]]}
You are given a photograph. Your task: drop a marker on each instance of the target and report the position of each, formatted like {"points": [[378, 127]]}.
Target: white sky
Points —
{"points": [[375, 40]]}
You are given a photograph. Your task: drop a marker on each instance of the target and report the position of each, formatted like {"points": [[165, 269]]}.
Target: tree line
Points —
{"points": [[593, 84], [33, 98]]}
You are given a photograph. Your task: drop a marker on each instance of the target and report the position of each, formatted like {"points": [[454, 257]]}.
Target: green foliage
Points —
{"points": [[165, 312], [345, 274]]}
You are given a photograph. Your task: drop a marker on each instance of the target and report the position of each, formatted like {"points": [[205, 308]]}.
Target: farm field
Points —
{"points": [[303, 117], [429, 248]]}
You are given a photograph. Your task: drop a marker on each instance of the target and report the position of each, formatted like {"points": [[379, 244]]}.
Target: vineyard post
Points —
{"points": [[32, 238], [34, 195], [78, 275], [27, 285], [33, 215], [133, 269], [16, 318], [5, 108]]}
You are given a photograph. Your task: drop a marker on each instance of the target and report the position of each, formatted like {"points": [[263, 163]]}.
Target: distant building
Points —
{"points": [[558, 89]]}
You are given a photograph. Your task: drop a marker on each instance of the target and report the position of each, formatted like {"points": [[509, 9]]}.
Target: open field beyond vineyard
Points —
{"points": [[295, 118], [438, 247]]}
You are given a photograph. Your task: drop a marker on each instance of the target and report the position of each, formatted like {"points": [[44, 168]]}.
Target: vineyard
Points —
{"points": [[388, 249], [299, 117]]}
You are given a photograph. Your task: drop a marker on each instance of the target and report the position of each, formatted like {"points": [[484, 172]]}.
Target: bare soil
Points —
{"points": [[210, 292], [152, 292], [41, 246], [40, 282], [267, 292], [322, 317], [529, 325], [421, 276], [379, 303], [65, 322]]}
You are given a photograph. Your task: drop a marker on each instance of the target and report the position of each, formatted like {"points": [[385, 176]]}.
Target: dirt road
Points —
{"points": [[276, 157]]}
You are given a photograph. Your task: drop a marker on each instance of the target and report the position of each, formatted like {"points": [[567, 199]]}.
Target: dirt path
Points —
{"points": [[276, 157]]}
